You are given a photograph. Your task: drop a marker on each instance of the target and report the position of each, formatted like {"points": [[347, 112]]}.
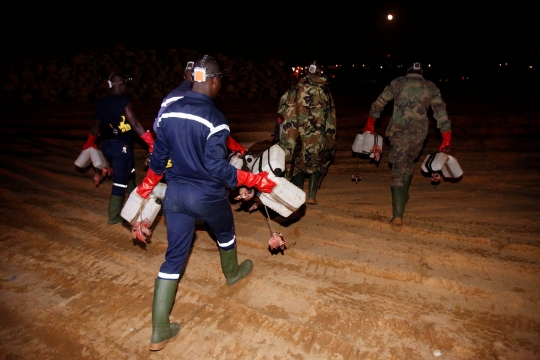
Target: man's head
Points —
{"points": [[415, 69], [207, 76], [314, 69], [188, 71], [118, 83]]}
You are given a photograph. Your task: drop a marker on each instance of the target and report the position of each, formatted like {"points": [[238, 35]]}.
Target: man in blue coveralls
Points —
{"points": [[192, 132]]}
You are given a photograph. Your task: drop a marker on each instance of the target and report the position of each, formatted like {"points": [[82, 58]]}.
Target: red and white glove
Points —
{"points": [[234, 146], [259, 181], [149, 140], [149, 183], [445, 144], [90, 142], [370, 125]]}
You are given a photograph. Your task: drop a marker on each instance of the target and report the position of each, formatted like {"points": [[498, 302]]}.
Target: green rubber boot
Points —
{"points": [[229, 264], [298, 180], [407, 184], [399, 197], [131, 186], [163, 330], [313, 187], [116, 203]]}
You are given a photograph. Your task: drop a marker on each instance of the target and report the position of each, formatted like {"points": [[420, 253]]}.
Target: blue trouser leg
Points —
{"points": [[121, 157], [183, 205]]}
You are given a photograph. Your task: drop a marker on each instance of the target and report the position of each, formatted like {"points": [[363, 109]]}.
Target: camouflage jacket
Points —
{"points": [[412, 95], [309, 124]]}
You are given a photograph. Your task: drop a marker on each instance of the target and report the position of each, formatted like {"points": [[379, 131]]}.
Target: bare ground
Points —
{"points": [[460, 280]]}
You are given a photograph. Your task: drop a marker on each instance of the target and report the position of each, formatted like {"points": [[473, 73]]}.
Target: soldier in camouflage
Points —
{"points": [[308, 130], [408, 128]]}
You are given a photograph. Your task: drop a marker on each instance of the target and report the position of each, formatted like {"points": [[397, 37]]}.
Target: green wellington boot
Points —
{"points": [[163, 330], [407, 184], [130, 187], [116, 203], [232, 271], [399, 197], [298, 180], [313, 187]]}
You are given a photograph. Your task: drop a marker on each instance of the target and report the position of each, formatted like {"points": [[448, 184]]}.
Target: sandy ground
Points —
{"points": [[459, 281]]}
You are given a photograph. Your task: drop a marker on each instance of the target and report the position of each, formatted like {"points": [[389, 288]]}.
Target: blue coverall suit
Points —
{"points": [[117, 140], [192, 133]]}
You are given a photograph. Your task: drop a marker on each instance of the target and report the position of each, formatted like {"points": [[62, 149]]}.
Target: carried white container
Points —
{"points": [[440, 161], [91, 156], [98, 160], [84, 159], [137, 209], [285, 198], [363, 143], [271, 160]]}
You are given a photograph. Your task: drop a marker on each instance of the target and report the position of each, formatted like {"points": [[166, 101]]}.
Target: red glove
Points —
{"points": [[445, 144], [370, 125], [259, 181], [234, 146], [279, 119], [90, 142], [149, 183], [149, 140]]}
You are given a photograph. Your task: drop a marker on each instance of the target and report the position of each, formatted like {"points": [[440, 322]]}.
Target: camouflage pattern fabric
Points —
{"points": [[408, 127], [412, 95], [403, 152], [309, 125]]}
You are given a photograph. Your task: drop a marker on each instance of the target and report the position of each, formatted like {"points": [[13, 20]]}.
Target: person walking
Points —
{"points": [[408, 128], [192, 132], [116, 124], [308, 130]]}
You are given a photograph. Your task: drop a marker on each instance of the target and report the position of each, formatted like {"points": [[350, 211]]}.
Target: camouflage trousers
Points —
{"points": [[403, 153]]}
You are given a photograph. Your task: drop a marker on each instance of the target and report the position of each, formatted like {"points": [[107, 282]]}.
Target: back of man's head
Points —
{"points": [[206, 76], [315, 69], [416, 68]]}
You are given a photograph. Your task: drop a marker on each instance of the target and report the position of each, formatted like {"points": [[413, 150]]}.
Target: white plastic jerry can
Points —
{"points": [[137, 209], [271, 160], [83, 160], [285, 198], [363, 143], [98, 160], [440, 161]]}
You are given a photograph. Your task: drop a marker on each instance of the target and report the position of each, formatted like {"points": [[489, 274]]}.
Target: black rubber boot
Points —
{"points": [[399, 197], [163, 330], [313, 186], [232, 271], [116, 203], [298, 180]]}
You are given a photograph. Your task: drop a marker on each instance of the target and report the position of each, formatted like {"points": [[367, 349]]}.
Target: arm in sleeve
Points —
{"points": [[215, 155], [439, 112], [161, 154], [381, 101]]}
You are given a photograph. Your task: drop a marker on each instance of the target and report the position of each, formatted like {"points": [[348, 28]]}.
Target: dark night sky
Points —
{"points": [[437, 32]]}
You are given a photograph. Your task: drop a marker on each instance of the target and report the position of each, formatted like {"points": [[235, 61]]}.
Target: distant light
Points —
{"points": [[363, 65], [500, 64], [505, 63], [390, 17], [381, 67], [388, 55], [352, 65], [293, 68], [530, 66], [428, 65]]}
